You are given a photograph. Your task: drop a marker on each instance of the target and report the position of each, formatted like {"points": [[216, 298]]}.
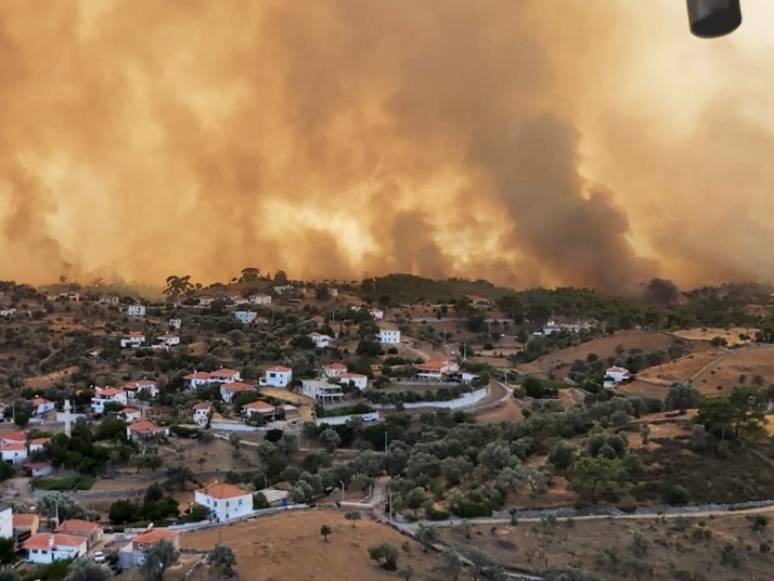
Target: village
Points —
{"points": [[137, 431]]}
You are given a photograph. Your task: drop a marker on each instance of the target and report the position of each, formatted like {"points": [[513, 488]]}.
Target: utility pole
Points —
{"points": [[385, 440]]}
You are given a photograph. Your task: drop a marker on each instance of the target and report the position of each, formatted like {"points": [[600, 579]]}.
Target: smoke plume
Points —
{"points": [[338, 137]]}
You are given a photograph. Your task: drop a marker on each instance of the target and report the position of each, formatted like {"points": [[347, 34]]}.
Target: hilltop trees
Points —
{"points": [[740, 414], [178, 286]]}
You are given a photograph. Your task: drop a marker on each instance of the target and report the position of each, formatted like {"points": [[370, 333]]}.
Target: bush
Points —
{"points": [[74, 482], [676, 494], [561, 455]]}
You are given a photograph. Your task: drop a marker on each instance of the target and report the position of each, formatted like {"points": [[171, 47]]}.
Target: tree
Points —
{"points": [[280, 278], [353, 517], [123, 511], [741, 413], [178, 286], [87, 570], [329, 439], [645, 434], [249, 274], [561, 455], [452, 565], [681, 397], [325, 530], [7, 550], [386, 555], [9, 574], [406, 572], [427, 536], [158, 559], [594, 476], [223, 557], [55, 503]]}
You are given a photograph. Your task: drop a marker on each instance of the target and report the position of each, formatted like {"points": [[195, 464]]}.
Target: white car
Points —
{"points": [[98, 556]]}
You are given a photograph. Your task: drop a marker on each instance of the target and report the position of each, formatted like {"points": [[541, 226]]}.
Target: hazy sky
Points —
{"points": [[591, 142]]}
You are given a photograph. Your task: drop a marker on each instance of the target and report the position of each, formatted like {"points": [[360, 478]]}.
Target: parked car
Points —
{"points": [[98, 556]]}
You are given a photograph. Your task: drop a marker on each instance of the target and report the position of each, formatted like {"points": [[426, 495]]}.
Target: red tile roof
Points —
{"points": [[22, 520], [14, 436], [153, 536], [42, 540], [109, 391], [336, 365], [238, 386], [259, 406], [224, 372], [143, 427], [76, 525], [202, 405], [222, 490], [197, 375], [15, 447], [279, 368]]}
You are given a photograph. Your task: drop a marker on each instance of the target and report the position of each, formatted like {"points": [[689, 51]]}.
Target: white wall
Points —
{"points": [[224, 509]]}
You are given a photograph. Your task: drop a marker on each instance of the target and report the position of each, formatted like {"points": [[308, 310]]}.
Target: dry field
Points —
{"points": [[716, 371], [689, 548], [732, 335], [49, 379], [288, 546], [605, 347], [508, 411]]}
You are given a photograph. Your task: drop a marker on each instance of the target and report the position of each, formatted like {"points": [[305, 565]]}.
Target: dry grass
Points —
{"points": [[732, 335]]}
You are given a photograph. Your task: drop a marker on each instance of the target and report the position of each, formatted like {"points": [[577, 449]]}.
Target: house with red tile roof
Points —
{"points": [[228, 391], [225, 501], [89, 530], [258, 408], [201, 413], [106, 395], [45, 548], [333, 370], [133, 553], [277, 376], [143, 429], [15, 453]]}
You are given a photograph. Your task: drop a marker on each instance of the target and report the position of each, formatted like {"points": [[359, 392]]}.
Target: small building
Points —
{"points": [[106, 395], [143, 429], [228, 391], [134, 388], [41, 406], [37, 469], [135, 310], [320, 340], [25, 525], [322, 391], [437, 369], [277, 376], [389, 336], [38, 445], [225, 501], [206, 301], [201, 413], [275, 497], [13, 453], [130, 414], [197, 379], [377, 314], [334, 370], [89, 530], [225, 375], [111, 300], [617, 374], [245, 317], [6, 522], [263, 300], [176, 324], [169, 340], [133, 553], [45, 548], [7, 312], [133, 340], [259, 408], [355, 379]]}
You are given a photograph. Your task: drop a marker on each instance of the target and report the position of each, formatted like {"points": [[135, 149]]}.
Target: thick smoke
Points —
{"points": [[326, 138]]}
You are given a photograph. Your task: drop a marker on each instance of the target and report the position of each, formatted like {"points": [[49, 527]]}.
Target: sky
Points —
{"points": [[571, 142]]}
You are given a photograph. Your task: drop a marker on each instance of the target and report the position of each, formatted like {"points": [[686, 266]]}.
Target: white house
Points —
{"points": [[355, 379], [617, 374], [389, 336], [175, 324], [225, 501], [245, 317], [134, 339], [334, 370], [320, 340], [13, 453], [6, 522], [225, 375], [131, 414], [169, 339], [437, 369], [277, 376], [322, 391], [8, 312], [228, 391], [263, 300], [45, 548], [112, 300], [106, 395], [258, 408], [201, 413], [197, 379], [38, 445], [142, 429], [206, 301], [134, 388], [89, 530], [41, 406], [377, 314], [135, 310], [133, 553]]}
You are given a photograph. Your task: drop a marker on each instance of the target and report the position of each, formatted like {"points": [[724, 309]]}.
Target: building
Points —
{"points": [[135, 310], [169, 340], [7, 312], [6, 522], [143, 429], [45, 548], [334, 370], [133, 340], [201, 413], [13, 438], [130, 414], [225, 501], [354, 379], [111, 300], [176, 324], [106, 395], [41, 406], [38, 445], [277, 376], [437, 369], [206, 301], [89, 530], [258, 408], [134, 388], [389, 336], [37, 469], [245, 317], [133, 553], [322, 391], [13, 453], [197, 379], [617, 374], [228, 391], [377, 314], [202, 378], [320, 340], [263, 300], [25, 525]]}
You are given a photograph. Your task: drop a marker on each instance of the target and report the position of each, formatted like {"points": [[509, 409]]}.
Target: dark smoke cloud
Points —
{"points": [[326, 138], [661, 292]]}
